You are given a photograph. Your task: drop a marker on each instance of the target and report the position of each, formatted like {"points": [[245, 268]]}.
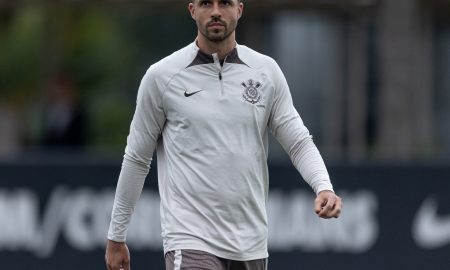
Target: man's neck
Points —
{"points": [[222, 48]]}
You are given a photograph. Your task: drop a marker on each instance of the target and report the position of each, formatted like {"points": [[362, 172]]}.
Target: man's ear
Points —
{"points": [[191, 8], [241, 9]]}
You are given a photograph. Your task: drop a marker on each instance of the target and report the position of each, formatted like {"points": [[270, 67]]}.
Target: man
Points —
{"points": [[207, 109]]}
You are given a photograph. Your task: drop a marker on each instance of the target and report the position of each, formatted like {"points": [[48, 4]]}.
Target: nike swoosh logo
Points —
{"points": [[431, 231], [186, 94]]}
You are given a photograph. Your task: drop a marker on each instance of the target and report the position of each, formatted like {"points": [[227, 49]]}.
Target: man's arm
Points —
{"points": [[145, 129], [287, 126]]}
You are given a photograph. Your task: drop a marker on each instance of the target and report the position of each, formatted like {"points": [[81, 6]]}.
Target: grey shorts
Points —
{"points": [[188, 259]]}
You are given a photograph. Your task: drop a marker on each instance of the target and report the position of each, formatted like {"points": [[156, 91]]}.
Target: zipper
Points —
{"points": [[222, 92], [220, 68]]}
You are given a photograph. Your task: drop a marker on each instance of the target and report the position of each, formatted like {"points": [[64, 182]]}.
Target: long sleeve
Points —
{"points": [[287, 126], [145, 129]]}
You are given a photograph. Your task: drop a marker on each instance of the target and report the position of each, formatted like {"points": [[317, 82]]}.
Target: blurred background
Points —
{"points": [[370, 79]]}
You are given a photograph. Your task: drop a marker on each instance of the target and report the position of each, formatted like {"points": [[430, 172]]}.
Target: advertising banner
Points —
{"points": [[394, 217]]}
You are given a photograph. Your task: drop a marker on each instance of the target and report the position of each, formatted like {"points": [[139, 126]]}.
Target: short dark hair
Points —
{"points": [[194, 0]]}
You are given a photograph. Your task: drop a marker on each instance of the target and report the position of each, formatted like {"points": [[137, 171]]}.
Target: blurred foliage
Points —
{"points": [[21, 40], [104, 49]]}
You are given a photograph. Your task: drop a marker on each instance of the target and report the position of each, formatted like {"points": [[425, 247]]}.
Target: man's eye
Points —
{"points": [[204, 3], [226, 3]]}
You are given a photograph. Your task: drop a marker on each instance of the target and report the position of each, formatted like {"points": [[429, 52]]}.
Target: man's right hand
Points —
{"points": [[117, 256]]}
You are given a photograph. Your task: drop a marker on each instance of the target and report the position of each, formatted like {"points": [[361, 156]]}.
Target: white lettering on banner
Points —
{"points": [[293, 223], [429, 230], [88, 217], [52, 221], [82, 217], [19, 212]]}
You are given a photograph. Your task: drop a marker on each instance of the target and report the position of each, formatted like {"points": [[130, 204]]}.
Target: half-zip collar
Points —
{"points": [[203, 58]]}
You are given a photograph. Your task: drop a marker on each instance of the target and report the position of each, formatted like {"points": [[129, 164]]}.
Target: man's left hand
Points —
{"points": [[328, 204]]}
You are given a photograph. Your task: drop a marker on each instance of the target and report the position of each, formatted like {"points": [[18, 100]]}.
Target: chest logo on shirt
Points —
{"points": [[251, 93]]}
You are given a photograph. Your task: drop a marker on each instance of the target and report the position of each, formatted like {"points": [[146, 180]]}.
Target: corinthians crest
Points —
{"points": [[251, 93]]}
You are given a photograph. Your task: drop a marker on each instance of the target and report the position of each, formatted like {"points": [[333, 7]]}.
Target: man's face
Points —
{"points": [[216, 19]]}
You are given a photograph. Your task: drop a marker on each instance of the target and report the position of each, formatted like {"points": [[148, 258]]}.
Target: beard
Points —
{"points": [[217, 35]]}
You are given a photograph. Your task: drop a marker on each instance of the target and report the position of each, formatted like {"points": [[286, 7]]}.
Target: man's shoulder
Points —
{"points": [[254, 58], [173, 63]]}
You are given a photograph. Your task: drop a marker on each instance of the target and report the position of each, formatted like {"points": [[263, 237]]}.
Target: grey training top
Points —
{"points": [[209, 124]]}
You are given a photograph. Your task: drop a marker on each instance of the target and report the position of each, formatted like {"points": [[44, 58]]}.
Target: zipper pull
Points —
{"points": [[220, 75]]}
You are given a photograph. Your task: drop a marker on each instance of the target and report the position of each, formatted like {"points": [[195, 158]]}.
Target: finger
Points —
{"points": [[336, 212], [113, 266], [318, 204], [336, 209], [327, 208], [126, 265]]}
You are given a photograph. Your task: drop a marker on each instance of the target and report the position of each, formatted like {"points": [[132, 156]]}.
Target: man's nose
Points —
{"points": [[216, 10]]}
